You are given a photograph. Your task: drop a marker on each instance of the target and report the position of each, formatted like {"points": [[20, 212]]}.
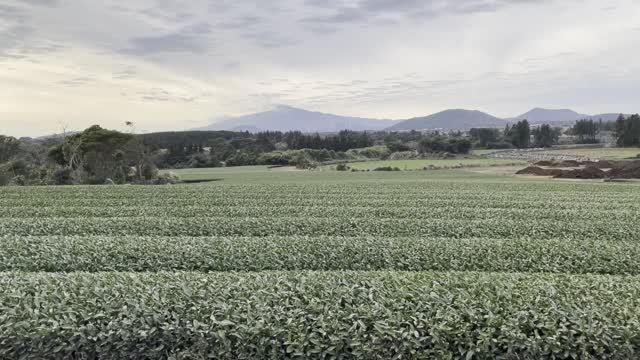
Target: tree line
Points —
{"points": [[518, 135], [215, 148], [628, 130], [98, 155], [93, 156], [625, 130]]}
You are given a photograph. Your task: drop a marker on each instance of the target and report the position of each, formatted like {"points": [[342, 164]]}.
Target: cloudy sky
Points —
{"points": [[176, 64]]}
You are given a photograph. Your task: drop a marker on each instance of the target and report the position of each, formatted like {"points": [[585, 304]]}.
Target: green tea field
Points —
{"points": [[260, 263]]}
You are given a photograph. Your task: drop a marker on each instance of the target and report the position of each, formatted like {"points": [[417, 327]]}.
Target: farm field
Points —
{"points": [[612, 153], [203, 174], [322, 264], [438, 164], [481, 152], [328, 174]]}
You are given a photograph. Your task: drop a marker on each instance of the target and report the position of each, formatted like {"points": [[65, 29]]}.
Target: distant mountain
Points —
{"points": [[540, 116], [57, 136], [561, 116], [46, 138], [450, 120], [249, 128], [286, 118]]}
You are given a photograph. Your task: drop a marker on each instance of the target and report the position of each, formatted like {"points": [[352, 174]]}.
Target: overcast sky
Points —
{"points": [[177, 64]]}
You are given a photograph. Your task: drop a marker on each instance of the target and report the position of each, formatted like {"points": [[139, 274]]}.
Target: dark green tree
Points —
{"points": [[545, 136], [628, 131], [520, 134], [9, 147], [484, 136], [586, 130], [440, 144], [97, 154]]}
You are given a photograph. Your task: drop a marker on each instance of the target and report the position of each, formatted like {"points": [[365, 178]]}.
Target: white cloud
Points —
{"points": [[169, 64]]}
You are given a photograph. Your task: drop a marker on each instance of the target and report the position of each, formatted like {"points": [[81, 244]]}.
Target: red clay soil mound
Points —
{"points": [[589, 172], [538, 171], [626, 170]]}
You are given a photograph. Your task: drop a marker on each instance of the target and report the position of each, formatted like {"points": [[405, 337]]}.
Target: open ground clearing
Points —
{"points": [[435, 164], [562, 153], [612, 153]]}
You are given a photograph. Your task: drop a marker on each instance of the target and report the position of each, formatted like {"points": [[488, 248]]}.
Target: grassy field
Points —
{"points": [[328, 174], [481, 152], [438, 164], [321, 264], [599, 153], [203, 174]]}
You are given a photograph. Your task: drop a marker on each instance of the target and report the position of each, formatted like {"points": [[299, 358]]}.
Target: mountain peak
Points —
{"points": [[458, 111], [287, 118], [283, 117], [451, 119], [542, 115], [283, 107]]}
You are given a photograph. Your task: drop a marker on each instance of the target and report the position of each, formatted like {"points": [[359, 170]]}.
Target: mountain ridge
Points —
{"points": [[537, 115], [287, 118], [450, 119]]}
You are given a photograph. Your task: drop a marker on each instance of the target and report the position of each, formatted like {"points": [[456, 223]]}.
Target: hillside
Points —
{"points": [[540, 115], [449, 120], [286, 118]]}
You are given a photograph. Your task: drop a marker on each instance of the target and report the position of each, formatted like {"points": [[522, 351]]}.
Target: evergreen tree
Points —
{"points": [[520, 134], [545, 136], [628, 130]]}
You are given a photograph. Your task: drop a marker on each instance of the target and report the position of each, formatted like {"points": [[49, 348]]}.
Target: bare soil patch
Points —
{"points": [[570, 169]]}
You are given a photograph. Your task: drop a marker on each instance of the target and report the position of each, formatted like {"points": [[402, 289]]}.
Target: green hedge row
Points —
{"points": [[453, 227], [204, 254], [425, 213], [482, 199], [360, 315], [535, 202]]}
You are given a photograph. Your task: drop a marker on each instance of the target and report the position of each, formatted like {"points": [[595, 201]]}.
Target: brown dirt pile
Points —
{"points": [[589, 172], [568, 163], [626, 170], [544, 163], [608, 164], [538, 171]]}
